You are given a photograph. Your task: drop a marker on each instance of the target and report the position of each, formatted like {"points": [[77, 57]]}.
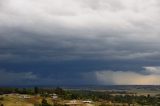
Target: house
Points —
{"points": [[74, 103], [54, 96], [87, 101], [25, 97]]}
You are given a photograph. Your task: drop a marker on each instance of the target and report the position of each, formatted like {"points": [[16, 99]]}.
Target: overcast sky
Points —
{"points": [[51, 42]]}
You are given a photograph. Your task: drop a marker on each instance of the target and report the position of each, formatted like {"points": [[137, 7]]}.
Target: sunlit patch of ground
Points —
{"points": [[17, 100]]}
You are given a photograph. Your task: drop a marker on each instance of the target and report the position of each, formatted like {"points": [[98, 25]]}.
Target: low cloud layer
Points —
{"points": [[130, 77], [15, 78]]}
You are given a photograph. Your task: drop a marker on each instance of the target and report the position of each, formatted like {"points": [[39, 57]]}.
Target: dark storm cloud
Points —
{"points": [[108, 31], [8, 77], [21, 44]]}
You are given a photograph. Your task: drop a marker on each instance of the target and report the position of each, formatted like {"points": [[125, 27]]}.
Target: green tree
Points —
{"points": [[36, 90], [59, 91], [24, 91], [45, 103]]}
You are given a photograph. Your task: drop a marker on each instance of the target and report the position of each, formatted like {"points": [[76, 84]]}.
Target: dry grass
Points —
{"points": [[15, 100]]}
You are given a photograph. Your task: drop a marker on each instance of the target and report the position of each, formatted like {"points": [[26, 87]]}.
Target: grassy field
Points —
{"points": [[18, 100], [146, 92]]}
